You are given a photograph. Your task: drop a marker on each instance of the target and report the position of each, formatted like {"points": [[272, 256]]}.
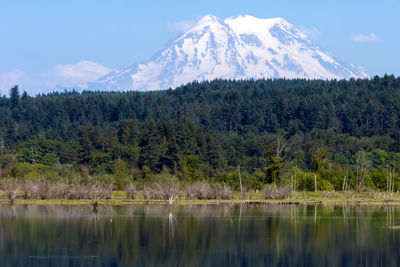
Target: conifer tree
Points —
{"points": [[14, 96]]}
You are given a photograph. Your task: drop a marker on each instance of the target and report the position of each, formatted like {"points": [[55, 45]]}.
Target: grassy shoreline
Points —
{"points": [[118, 198]]}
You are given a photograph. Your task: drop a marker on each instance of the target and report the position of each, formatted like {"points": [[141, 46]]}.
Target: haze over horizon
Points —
{"points": [[69, 44]]}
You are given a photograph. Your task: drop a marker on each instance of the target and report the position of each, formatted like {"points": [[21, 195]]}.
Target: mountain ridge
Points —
{"points": [[239, 47]]}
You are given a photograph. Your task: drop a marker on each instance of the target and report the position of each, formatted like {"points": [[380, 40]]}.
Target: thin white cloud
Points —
{"points": [[9, 79], [181, 26], [59, 76], [79, 74], [312, 32], [360, 37]]}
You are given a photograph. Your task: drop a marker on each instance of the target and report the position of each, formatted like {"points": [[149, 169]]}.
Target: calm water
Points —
{"points": [[199, 235]]}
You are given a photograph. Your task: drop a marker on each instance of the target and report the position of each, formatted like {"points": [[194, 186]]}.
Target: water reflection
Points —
{"points": [[199, 235]]}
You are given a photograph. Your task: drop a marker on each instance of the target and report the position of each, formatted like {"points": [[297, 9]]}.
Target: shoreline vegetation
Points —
{"points": [[178, 202], [172, 193]]}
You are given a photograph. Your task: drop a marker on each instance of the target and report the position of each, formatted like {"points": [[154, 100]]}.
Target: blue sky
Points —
{"points": [[44, 43]]}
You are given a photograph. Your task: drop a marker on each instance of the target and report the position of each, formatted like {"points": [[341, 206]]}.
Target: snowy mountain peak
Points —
{"points": [[239, 47], [208, 19], [248, 19]]}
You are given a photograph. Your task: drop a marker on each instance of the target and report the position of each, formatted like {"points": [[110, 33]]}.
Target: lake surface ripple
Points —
{"points": [[200, 235]]}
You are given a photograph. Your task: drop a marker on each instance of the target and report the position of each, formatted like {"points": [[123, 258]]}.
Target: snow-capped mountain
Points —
{"points": [[240, 47]]}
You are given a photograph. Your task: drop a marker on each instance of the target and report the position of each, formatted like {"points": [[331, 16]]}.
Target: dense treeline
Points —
{"points": [[266, 131]]}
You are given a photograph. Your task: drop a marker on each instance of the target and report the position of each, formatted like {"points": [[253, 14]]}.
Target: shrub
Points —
{"points": [[79, 191], [131, 191], [11, 190], [167, 190], [199, 190], [203, 190], [325, 185], [334, 178], [277, 192], [97, 191], [378, 178], [30, 190], [329, 194], [43, 189], [306, 181], [165, 186], [59, 190], [231, 179], [222, 191], [152, 191]]}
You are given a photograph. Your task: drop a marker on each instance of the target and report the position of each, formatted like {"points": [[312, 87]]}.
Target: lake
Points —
{"points": [[200, 235]]}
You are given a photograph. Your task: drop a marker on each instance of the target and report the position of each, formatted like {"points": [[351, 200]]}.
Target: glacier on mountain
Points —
{"points": [[240, 47]]}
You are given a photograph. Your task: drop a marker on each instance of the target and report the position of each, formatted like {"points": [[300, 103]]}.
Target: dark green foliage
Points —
{"points": [[205, 130], [378, 178], [355, 107], [231, 179], [274, 164], [333, 177], [306, 182], [14, 96]]}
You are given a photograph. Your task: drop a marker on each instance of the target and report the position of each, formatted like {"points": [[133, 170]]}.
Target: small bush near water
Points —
{"points": [[277, 192], [202, 190], [165, 190], [97, 191], [222, 191], [30, 190], [45, 190], [199, 190], [11, 190], [131, 191], [329, 194]]}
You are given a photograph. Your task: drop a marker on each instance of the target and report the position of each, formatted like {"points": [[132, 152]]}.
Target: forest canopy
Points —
{"points": [[270, 128]]}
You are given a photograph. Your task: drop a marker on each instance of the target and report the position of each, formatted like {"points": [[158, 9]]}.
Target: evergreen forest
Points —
{"points": [[343, 133]]}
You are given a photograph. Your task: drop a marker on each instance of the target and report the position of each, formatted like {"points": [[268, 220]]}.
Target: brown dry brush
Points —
{"points": [[199, 190], [97, 191], [329, 194], [30, 190], [43, 189], [131, 191], [11, 190], [277, 192], [222, 191], [60, 190], [203, 190], [78, 191], [165, 190]]}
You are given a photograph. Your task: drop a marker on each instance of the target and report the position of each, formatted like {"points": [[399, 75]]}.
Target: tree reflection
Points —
{"points": [[199, 235]]}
